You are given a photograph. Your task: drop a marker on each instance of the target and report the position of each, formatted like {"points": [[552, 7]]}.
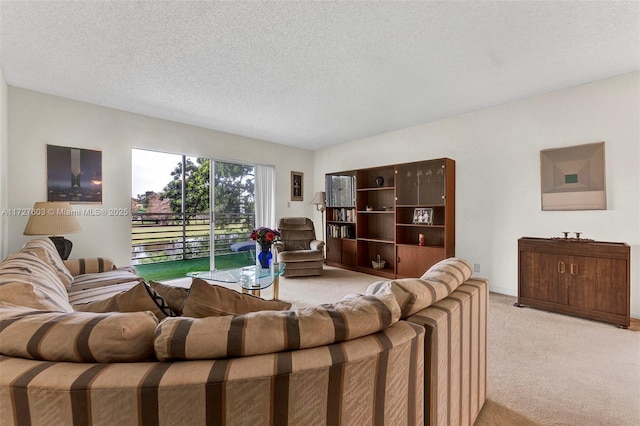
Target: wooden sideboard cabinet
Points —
{"points": [[589, 279]]}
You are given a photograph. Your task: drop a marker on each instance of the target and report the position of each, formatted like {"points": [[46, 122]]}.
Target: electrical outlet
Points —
{"points": [[476, 267]]}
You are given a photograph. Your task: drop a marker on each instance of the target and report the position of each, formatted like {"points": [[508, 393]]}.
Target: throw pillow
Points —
{"points": [[174, 296], [265, 332], [140, 297], [47, 252], [26, 280], [207, 300], [77, 336]]}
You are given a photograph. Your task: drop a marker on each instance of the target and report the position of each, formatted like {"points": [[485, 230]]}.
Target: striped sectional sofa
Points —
{"points": [[408, 352]]}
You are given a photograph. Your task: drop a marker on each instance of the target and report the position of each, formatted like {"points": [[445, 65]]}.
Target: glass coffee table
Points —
{"points": [[252, 279]]}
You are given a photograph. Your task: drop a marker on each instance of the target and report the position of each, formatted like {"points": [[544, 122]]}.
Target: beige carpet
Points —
{"points": [[556, 369], [544, 368]]}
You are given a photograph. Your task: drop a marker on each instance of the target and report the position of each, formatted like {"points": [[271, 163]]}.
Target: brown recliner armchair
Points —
{"points": [[298, 247]]}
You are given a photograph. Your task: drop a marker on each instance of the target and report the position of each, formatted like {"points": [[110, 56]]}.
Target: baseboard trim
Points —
{"points": [[502, 290]]}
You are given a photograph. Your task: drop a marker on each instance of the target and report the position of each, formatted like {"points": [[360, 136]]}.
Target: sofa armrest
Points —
{"points": [[316, 245], [456, 354]]}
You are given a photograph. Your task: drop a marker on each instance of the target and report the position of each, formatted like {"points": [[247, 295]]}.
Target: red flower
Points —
{"points": [[264, 235]]}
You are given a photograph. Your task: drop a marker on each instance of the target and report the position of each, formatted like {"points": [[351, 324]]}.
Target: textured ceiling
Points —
{"points": [[312, 74]]}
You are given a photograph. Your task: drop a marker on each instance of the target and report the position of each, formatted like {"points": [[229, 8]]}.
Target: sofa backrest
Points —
{"points": [[26, 280], [265, 332], [296, 233], [46, 251]]}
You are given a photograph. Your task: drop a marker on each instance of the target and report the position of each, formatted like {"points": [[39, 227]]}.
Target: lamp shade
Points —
{"points": [[318, 198], [52, 218]]}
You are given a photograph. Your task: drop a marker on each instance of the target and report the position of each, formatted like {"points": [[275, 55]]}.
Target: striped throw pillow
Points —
{"points": [[415, 294], [90, 265], [77, 336], [173, 295], [274, 331], [25, 280], [47, 252]]}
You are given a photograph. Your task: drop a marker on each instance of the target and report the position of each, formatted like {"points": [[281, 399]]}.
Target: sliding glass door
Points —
{"points": [[177, 215]]}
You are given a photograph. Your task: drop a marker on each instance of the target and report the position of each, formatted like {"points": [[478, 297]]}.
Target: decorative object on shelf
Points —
{"points": [[319, 200], [380, 181], [423, 216], [573, 178], [576, 239], [297, 186], [421, 241], [54, 219], [265, 237], [74, 175], [378, 263]]}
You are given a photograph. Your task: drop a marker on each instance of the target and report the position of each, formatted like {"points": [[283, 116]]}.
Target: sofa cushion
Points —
{"points": [[25, 280], [101, 279], [47, 252], [296, 256], [140, 297], [77, 336], [208, 300], [274, 331], [173, 295], [414, 294]]}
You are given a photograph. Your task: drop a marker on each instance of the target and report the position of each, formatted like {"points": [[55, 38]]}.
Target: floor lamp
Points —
{"points": [[318, 200]]}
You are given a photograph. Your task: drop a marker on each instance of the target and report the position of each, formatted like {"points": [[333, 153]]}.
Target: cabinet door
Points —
{"points": [[413, 261], [349, 253], [334, 250], [542, 277], [407, 262], [598, 284], [421, 183]]}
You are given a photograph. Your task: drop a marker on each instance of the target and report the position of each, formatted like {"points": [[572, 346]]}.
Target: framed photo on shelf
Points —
{"points": [[297, 186], [423, 216]]}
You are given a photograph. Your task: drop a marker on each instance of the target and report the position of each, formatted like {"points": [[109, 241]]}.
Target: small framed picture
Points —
{"points": [[423, 216], [296, 186]]}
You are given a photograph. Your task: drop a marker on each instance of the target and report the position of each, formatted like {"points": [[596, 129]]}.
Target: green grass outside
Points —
{"points": [[178, 269]]}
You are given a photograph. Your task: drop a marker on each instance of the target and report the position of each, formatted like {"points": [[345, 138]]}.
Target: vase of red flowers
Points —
{"points": [[265, 237]]}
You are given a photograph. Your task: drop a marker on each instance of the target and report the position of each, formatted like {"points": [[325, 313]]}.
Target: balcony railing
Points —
{"points": [[161, 237]]}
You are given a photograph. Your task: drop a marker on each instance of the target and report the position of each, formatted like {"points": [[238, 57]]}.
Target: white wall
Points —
{"points": [[38, 119], [498, 171], [4, 169]]}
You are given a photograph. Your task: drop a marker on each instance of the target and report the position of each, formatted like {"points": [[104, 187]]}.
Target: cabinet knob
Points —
{"points": [[561, 267], [398, 259]]}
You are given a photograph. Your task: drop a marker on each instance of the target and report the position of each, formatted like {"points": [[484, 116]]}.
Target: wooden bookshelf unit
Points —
{"points": [[384, 213]]}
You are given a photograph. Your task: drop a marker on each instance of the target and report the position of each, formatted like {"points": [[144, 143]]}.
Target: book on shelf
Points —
{"points": [[343, 215], [340, 231]]}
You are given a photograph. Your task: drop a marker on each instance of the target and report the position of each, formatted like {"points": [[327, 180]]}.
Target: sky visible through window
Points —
{"points": [[151, 170]]}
